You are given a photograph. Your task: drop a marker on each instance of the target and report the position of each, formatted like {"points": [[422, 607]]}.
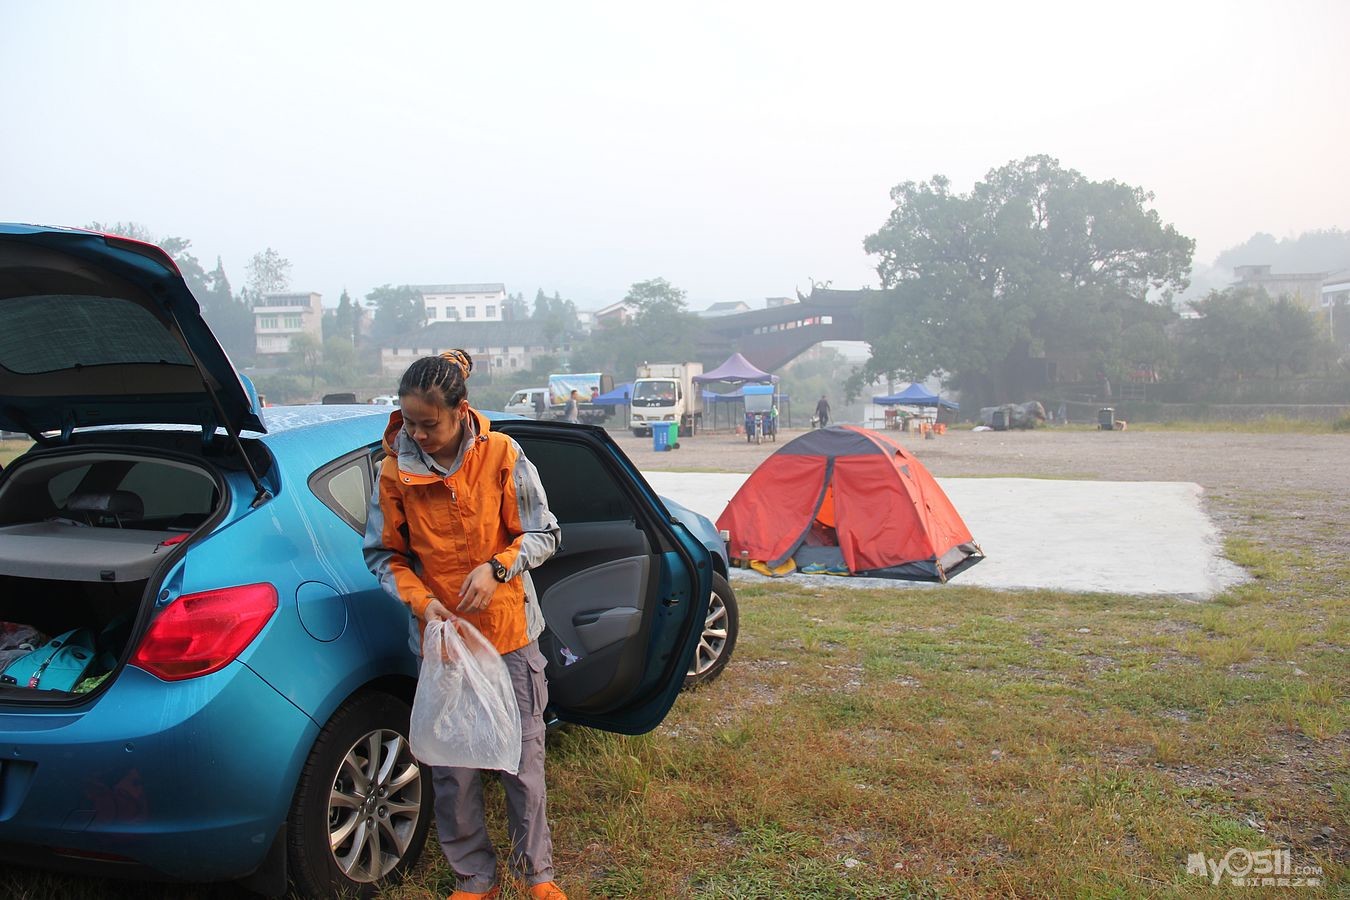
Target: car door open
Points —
{"points": [[626, 593]]}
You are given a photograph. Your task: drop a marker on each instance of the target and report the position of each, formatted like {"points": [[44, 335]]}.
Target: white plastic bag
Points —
{"points": [[464, 712]]}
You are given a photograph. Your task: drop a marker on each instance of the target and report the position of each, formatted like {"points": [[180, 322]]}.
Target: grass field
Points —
{"points": [[897, 744], [969, 743]]}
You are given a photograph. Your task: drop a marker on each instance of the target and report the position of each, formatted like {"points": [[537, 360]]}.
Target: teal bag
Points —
{"points": [[57, 665]]}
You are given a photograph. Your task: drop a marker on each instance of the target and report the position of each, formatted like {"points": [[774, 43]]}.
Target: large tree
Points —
{"points": [[515, 309], [229, 316], [1242, 332], [398, 310], [268, 272], [660, 330], [1036, 260], [557, 316]]}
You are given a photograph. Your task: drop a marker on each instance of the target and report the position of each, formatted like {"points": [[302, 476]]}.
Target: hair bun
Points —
{"points": [[462, 360]]}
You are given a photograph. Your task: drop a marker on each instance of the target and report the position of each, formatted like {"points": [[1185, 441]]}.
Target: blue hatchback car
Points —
{"points": [[243, 710]]}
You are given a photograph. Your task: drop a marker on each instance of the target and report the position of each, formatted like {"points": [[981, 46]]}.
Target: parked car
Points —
{"points": [[385, 400], [528, 402], [243, 710]]}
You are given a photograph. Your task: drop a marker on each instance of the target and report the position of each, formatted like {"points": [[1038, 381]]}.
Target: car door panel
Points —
{"points": [[625, 596], [590, 615]]}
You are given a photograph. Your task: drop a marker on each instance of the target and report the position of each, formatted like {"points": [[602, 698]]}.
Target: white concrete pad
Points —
{"points": [[1123, 537]]}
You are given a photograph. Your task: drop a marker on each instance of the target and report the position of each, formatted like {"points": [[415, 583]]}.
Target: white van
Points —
{"points": [[522, 402]]}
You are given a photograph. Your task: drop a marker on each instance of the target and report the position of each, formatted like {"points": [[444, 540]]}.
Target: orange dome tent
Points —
{"points": [[846, 499]]}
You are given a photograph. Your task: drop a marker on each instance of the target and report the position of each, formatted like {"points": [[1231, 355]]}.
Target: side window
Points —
{"points": [[578, 486], [348, 487], [344, 487]]}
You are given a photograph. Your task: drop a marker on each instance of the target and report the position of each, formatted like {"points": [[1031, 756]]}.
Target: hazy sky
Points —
{"points": [[737, 149]]}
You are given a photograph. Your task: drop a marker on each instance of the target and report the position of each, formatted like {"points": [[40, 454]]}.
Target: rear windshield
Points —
{"points": [[51, 332], [110, 491]]}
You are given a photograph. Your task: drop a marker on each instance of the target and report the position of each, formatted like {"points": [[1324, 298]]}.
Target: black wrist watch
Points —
{"points": [[498, 570]]}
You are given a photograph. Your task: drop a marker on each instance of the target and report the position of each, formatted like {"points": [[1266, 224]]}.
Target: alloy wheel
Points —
{"points": [[714, 638], [374, 806]]}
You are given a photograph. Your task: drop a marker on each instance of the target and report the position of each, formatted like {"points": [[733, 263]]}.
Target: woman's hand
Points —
{"points": [[476, 592], [436, 612]]}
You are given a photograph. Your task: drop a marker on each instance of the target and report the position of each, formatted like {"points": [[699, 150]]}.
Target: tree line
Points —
{"points": [[1035, 264], [1039, 264]]}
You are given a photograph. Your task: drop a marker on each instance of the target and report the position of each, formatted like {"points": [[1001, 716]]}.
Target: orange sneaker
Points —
{"points": [[491, 894], [548, 890]]}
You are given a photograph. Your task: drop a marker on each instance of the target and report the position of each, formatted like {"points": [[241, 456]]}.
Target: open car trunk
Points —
{"points": [[83, 533]]}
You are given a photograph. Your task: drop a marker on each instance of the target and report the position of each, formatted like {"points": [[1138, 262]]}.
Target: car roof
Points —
{"points": [[341, 427]]}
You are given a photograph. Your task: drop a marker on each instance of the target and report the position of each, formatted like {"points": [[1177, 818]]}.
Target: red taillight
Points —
{"points": [[201, 633]]}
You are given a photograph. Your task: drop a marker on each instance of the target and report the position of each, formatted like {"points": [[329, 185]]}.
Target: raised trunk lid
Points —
{"points": [[102, 330]]}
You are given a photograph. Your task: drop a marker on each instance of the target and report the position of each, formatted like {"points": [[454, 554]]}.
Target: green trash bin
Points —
{"points": [[673, 441]]}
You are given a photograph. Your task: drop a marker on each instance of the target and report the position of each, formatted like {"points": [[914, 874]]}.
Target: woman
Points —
{"points": [[457, 517]]}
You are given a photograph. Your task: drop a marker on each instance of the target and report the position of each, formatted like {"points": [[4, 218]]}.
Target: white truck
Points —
{"points": [[666, 392]]}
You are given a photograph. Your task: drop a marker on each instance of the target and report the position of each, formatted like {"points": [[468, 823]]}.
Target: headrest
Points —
{"points": [[121, 504]]}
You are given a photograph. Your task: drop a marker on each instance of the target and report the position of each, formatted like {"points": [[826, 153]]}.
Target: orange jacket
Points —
{"points": [[428, 527]]}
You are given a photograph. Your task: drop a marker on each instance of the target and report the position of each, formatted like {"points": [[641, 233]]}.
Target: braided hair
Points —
{"points": [[441, 378]]}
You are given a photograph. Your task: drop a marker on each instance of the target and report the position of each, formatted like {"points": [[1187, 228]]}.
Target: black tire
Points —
{"points": [[720, 628], [362, 735], [638, 432]]}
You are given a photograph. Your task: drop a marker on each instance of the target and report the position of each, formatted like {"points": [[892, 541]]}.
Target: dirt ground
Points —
{"points": [[1295, 487]]}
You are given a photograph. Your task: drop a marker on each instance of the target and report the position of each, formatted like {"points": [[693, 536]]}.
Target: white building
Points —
{"points": [[462, 302], [1336, 289], [279, 317], [501, 347]]}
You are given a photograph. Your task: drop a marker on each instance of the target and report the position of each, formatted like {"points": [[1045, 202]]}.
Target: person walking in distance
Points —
{"points": [[572, 411], [457, 518], [823, 411]]}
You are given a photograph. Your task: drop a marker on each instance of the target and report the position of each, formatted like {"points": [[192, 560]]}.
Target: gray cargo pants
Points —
{"points": [[459, 794]]}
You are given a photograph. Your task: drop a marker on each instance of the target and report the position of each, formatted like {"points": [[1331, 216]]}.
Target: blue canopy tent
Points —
{"points": [[914, 395], [620, 396], [617, 397]]}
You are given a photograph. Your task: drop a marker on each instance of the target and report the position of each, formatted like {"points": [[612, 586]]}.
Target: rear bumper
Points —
{"points": [[184, 781]]}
